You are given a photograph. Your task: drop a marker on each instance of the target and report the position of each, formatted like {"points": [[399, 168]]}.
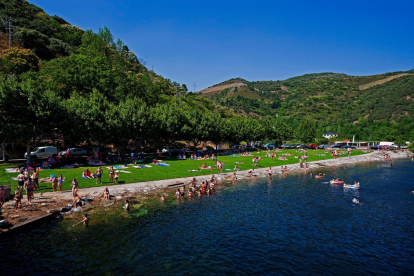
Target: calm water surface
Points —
{"points": [[283, 226]]}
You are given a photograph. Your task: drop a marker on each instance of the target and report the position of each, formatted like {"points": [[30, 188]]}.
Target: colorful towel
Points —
{"points": [[12, 170], [163, 164], [122, 171]]}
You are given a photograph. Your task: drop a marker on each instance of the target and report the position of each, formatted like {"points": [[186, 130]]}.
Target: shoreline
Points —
{"points": [[51, 204]]}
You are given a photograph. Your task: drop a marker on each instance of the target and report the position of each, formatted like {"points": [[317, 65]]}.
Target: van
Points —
{"points": [[389, 144], [43, 152]]}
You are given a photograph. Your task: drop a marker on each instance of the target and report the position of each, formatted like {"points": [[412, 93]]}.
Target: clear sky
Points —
{"points": [[207, 42]]}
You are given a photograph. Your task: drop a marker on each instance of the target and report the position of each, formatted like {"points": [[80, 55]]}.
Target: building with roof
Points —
{"points": [[329, 135]]}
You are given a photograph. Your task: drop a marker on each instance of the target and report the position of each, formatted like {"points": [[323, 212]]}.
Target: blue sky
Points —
{"points": [[207, 42]]}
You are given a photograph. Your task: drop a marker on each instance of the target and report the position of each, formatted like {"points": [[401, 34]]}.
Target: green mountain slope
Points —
{"points": [[323, 96]]}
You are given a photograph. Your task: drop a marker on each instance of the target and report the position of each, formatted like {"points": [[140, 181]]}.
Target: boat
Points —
{"points": [[346, 186], [337, 182]]}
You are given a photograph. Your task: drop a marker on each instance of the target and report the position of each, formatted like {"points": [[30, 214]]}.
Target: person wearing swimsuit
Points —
{"points": [[126, 206], [35, 177], [18, 199], [54, 183], [98, 174], [29, 189], [111, 174], [60, 182], [75, 186]]}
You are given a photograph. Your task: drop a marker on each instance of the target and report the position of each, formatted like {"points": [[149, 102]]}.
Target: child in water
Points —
{"points": [[126, 206]]}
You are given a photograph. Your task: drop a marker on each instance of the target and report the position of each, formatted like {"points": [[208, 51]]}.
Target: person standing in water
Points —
{"points": [[270, 171], [126, 206]]}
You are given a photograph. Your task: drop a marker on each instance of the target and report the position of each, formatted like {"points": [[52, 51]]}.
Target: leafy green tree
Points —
{"points": [[306, 132], [17, 61]]}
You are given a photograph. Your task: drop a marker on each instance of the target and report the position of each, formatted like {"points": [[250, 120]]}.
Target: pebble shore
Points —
{"points": [[57, 203]]}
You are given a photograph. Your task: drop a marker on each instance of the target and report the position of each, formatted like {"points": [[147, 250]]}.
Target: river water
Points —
{"points": [[280, 226]]}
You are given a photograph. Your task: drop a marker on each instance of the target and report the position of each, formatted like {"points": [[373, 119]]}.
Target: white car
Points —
{"points": [[75, 152], [42, 152]]}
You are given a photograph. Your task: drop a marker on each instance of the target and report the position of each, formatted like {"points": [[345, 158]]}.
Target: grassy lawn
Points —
{"points": [[177, 168]]}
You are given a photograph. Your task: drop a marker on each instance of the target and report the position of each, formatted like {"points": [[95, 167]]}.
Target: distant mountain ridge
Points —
{"points": [[322, 96]]}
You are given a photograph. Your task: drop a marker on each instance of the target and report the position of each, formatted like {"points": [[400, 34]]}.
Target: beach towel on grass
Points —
{"points": [[120, 167], [233, 155], [239, 162], [163, 164], [208, 168], [228, 169], [142, 166], [12, 170], [122, 171]]}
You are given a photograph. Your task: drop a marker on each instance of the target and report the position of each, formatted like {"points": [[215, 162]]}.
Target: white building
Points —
{"points": [[329, 135]]}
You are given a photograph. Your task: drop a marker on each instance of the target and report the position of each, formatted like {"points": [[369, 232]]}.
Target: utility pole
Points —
{"points": [[153, 60], [195, 87], [9, 29]]}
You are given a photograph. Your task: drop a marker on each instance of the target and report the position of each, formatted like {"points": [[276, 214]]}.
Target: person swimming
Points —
{"points": [[85, 220]]}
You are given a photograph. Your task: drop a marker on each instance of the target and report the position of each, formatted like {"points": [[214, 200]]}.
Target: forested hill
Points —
{"points": [[323, 96]]}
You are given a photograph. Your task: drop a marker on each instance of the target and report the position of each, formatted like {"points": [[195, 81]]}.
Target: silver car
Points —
{"points": [[75, 152]]}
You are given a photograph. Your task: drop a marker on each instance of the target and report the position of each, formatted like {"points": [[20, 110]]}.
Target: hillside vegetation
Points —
{"points": [[336, 101]]}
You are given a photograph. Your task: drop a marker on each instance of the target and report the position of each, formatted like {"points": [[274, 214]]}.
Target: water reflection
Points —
{"points": [[285, 224]]}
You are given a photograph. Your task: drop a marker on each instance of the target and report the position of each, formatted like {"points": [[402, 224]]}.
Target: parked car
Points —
{"points": [[323, 146], [43, 152], [301, 146], [287, 146], [347, 147], [337, 146], [270, 146], [374, 147], [312, 146], [169, 149], [74, 152]]}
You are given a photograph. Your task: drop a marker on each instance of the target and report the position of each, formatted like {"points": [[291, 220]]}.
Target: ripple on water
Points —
{"points": [[284, 225]]}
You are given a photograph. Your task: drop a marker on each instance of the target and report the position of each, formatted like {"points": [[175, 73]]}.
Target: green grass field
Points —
{"points": [[177, 168]]}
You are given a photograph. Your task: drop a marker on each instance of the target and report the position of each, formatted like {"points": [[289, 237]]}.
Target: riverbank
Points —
{"points": [[48, 203]]}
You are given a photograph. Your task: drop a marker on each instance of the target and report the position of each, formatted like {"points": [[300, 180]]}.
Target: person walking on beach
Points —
{"points": [[20, 181], [18, 199], [111, 174], [116, 177], [29, 186], [98, 174], [35, 177], [75, 187], [60, 183], [54, 183]]}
